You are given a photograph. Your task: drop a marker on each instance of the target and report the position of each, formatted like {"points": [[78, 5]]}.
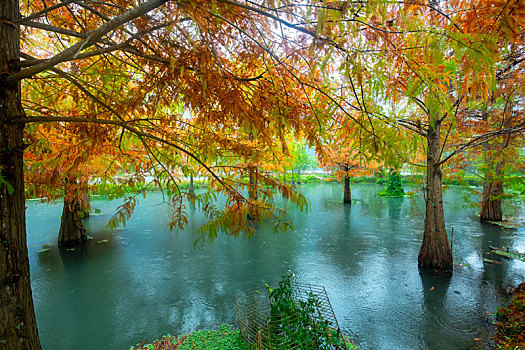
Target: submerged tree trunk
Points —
{"points": [[252, 193], [72, 230], [17, 318], [491, 198], [191, 191], [252, 187], [435, 253], [347, 194], [492, 182]]}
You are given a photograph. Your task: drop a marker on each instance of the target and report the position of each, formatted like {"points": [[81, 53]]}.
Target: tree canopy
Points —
{"points": [[170, 88]]}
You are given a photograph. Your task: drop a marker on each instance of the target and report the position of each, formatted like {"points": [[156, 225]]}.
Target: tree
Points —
{"points": [[301, 159], [234, 64], [219, 58], [394, 186], [503, 112], [433, 62], [61, 159], [345, 160]]}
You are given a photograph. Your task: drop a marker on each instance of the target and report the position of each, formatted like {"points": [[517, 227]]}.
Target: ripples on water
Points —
{"points": [[146, 281]]}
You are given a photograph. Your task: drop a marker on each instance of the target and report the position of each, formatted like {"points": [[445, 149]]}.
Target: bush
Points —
{"points": [[394, 187], [223, 338], [296, 323]]}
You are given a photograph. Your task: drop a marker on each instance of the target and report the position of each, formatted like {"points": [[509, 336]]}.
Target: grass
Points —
{"points": [[225, 337]]}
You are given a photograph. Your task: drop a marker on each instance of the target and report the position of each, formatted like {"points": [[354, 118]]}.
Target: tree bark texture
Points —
{"points": [[17, 318], [347, 193], [491, 200], [435, 253], [72, 230], [492, 188], [253, 213], [191, 190]]}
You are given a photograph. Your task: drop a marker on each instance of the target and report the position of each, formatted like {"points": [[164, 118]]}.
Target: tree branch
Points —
{"points": [[43, 12], [54, 29], [479, 140], [93, 37], [123, 124]]}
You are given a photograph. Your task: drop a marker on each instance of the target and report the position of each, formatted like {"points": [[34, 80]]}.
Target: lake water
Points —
{"points": [[146, 281]]}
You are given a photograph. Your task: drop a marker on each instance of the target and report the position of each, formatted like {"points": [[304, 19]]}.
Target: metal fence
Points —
{"points": [[263, 330]]}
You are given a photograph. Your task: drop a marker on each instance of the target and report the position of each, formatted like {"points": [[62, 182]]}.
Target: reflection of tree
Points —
{"points": [[80, 293], [435, 287], [342, 236], [394, 207], [347, 211], [371, 204], [493, 273]]}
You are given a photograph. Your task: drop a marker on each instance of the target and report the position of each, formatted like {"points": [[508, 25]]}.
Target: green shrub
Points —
{"points": [[299, 323], [394, 187]]}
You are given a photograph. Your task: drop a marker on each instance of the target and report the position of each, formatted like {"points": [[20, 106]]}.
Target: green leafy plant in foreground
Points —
{"points": [[298, 323], [223, 338]]}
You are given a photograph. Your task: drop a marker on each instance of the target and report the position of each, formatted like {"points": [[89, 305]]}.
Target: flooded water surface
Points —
{"points": [[143, 281]]}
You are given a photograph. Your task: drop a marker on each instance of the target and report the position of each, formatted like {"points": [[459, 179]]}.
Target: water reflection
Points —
{"points": [[435, 288], [394, 207], [146, 281]]}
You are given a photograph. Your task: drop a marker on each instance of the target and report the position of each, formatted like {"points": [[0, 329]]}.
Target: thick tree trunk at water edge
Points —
{"points": [[491, 198], [347, 194], [435, 253], [72, 230], [17, 319]]}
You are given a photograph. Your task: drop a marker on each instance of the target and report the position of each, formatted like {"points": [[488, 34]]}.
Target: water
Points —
{"points": [[147, 281]]}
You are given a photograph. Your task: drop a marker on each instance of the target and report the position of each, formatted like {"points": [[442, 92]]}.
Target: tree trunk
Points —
{"points": [[435, 253], [293, 177], [347, 193], [191, 191], [86, 203], [491, 198], [492, 184], [17, 318], [253, 213], [72, 230], [252, 193]]}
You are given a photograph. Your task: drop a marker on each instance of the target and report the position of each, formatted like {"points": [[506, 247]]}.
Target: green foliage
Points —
{"points": [[311, 178], [123, 213], [299, 323], [223, 338], [516, 184], [394, 187], [510, 329], [116, 190], [302, 160], [4, 182], [509, 254]]}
